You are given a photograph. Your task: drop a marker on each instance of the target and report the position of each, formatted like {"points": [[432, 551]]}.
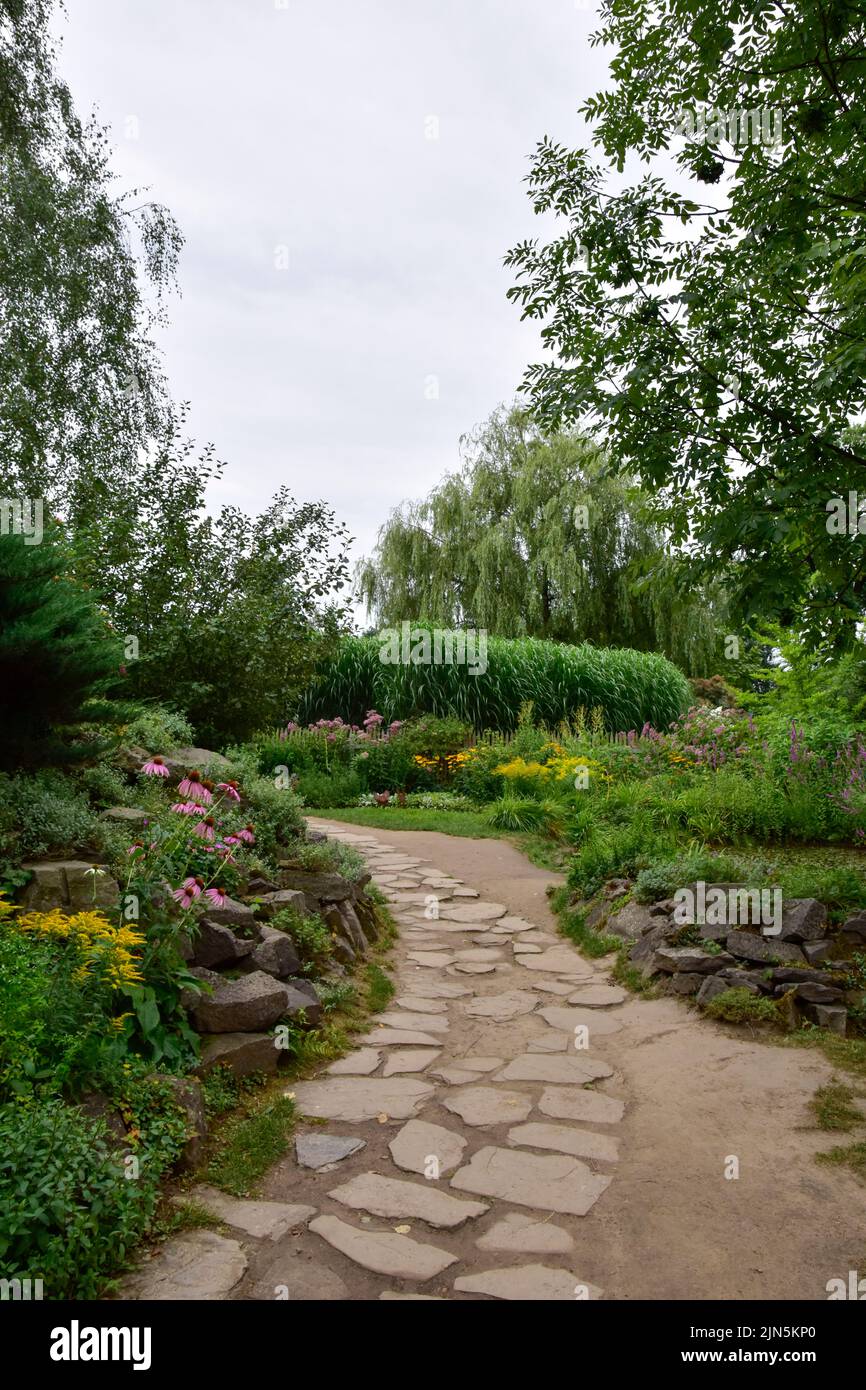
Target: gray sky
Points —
{"points": [[297, 131]]}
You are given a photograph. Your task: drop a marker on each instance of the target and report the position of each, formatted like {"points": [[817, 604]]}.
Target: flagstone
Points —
{"points": [[479, 953], [474, 912], [359, 1063], [569, 1019], [401, 1018], [566, 1069], [418, 1141], [549, 1042], [502, 1007], [413, 1059], [325, 1150], [598, 996], [263, 1220], [438, 989], [473, 967], [420, 1005], [528, 1283], [488, 1105], [395, 1198], [431, 960], [566, 1139], [549, 1182], [592, 1106], [518, 1233], [556, 960], [456, 1076], [383, 1252], [361, 1098], [399, 1037]]}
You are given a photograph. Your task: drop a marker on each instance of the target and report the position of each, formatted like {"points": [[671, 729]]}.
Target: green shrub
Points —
{"points": [[312, 939], [740, 1006], [43, 813], [276, 812], [69, 1215], [159, 728], [519, 813], [388, 765], [630, 687], [340, 788]]}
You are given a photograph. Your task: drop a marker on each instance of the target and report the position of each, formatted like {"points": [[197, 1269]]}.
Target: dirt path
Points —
{"points": [[516, 1126]]}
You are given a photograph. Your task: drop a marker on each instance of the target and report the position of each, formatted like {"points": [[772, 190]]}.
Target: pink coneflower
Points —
{"points": [[231, 840], [187, 808], [134, 849], [205, 828], [216, 895], [187, 894], [247, 835], [193, 786], [155, 767], [230, 789]]}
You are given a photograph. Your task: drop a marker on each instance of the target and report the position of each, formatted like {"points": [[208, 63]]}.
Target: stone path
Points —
{"points": [[483, 1138]]}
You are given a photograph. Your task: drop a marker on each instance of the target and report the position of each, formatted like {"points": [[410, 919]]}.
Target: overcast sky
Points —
{"points": [[348, 175]]}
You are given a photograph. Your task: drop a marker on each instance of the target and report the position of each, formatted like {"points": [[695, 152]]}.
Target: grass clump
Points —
{"points": [[740, 1006], [250, 1143], [833, 1108]]}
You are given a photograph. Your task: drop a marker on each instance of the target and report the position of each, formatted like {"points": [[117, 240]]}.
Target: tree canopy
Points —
{"points": [[535, 536], [717, 338]]}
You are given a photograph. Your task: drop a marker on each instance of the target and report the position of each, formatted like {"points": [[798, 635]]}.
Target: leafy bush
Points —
{"points": [[516, 813], [311, 937], [630, 687], [158, 726], [43, 813], [68, 1213], [337, 789]]}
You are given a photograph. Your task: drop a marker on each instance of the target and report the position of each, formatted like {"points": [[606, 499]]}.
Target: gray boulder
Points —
{"points": [[803, 919], [242, 1052], [831, 1016], [236, 915], [248, 1005], [631, 922], [687, 982], [751, 946], [276, 954], [188, 1096], [269, 903], [690, 959], [72, 885], [217, 945], [303, 1002], [319, 884], [711, 986]]}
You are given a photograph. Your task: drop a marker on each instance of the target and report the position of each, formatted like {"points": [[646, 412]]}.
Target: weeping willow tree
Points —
{"points": [[535, 537]]}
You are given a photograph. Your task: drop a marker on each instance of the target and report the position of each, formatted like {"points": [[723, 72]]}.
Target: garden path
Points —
{"points": [[468, 1147]]}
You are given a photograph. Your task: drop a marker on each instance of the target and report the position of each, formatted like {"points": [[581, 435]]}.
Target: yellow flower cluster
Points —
{"points": [[105, 952], [451, 761], [558, 768]]}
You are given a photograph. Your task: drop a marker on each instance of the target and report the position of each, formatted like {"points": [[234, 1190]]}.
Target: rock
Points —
{"points": [[97, 1106], [397, 1199], [383, 1252], [751, 946], [631, 922], [643, 952], [713, 985], [566, 1139], [258, 886], [791, 975], [216, 945], [189, 996], [547, 1182], [598, 915], [263, 1220], [288, 1279], [488, 1105], [353, 1099], [472, 912], [521, 1234], [410, 1059], [564, 1103], [598, 996], [691, 959], [816, 951], [752, 980], [181, 760], [302, 1004], [236, 915], [402, 1018], [352, 928], [576, 1069], [276, 954], [360, 1062], [529, 1283], [567, 1020], [187, 1094], [72, 885], [803, 919], [126, 815], [271, 903], [323, 1150], [244, 1053], [321, 885], [854, 930], [399, 1037], [248, 1005], [418, 1142], [194, 1265], [686, 982], [558, 960], [811, 993], [831, 1016]]}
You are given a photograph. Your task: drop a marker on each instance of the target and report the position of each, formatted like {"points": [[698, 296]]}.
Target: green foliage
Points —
{"points": [[277, 815], [58, 659], [250, 1143], [519, 813], [630, 687], [339, 788], [536, 537], [158, 728], [310, 935], [43, 813], [649, 335], [68, 1214], [740, 1006], [380, 988]]}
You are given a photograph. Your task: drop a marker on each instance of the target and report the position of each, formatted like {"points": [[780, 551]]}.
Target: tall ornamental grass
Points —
{"points": [[632, 688]]}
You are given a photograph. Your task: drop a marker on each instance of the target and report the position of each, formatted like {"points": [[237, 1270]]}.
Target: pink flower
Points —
{"points": [[205, 828], [137, 848], [155, 768], [187, 808], [247, 835], [230, 789], [193, 786], [216, 896], [187, 895], [231, 840]]}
